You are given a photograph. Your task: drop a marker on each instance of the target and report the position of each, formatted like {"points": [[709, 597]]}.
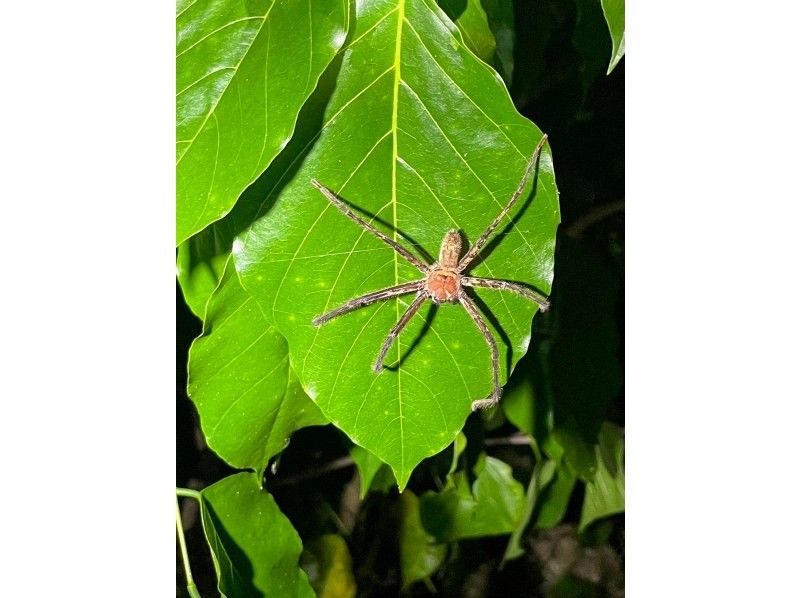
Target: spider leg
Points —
{"points": [[476, 316], [344, 209], [388, 293], [505, 285], [476, 248], [398, 328]]}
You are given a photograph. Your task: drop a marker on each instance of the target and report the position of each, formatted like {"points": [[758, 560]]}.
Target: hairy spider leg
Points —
{"points": [[344, 209], [476, 248], [506, 285], [353, 304], [476, 316], [398, 328]]}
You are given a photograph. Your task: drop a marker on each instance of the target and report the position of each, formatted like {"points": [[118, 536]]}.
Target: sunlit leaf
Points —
{"points": [[254, 547], [422, 136], [243, 71], [420, 554], [614, 11], [326, 560], [248, 399], [605, 494]]}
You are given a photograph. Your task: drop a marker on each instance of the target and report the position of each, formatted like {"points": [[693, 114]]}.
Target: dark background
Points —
{"points": [[561, 55]]}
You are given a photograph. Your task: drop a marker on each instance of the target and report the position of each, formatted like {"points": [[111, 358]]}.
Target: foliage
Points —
{"points": [[397, 106]]}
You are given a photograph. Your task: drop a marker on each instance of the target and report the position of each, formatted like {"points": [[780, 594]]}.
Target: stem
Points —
{"points": [[190, 585], [188, 493]]}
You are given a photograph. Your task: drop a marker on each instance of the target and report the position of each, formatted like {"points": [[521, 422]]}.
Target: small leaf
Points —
{"points": [[374, 473], [424, 137], [605, 494], [254, 547], [248, 398], [201, 263], [493, 507], [554, 500], [542, 475], [244, 70], [470, 18], [326, 560], [614, 11], [500, 14], [420, 554]]}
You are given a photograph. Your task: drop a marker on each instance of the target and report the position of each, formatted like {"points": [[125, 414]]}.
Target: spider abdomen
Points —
{"points": [[443, 285]]}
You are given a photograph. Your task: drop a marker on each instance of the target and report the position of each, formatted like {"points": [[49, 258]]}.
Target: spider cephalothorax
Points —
{"points": [[444, 281]]}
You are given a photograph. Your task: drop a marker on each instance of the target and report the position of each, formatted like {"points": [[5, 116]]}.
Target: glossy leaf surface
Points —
{"points": [[255, 548], [614, 11], [420, 137], [243, 70], [239, 379]]}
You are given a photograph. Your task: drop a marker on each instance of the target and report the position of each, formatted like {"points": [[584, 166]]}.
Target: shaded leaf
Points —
{"points": [[605, 494], [590, 38], [470, 18], [200, 265], [248, 399], [326, 560], [542, 476], [554, 501], [585, 366], [494, 506], [500, 14], [420, 554], [374, 473], [423, 136], [614, 11], [254, 547], [243, 71]]}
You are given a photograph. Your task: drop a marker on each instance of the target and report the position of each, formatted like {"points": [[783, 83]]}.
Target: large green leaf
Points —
{"points": [[614, 11], [243, 71], [495, 504], [421, 137], [255, 548], [239, 379]]}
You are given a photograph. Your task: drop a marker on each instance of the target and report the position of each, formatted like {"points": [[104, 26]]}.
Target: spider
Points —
{"points": [[444, 281]]}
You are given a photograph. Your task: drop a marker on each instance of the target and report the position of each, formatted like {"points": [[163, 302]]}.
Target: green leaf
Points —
{"points": [[254, 547], [243, 69], [470, 18], [605, 494], [542, 475], [326, 560], [500, 14], [493, 507], [585, 366], [420, 554], [374, 473], [614, 11], [423, 136], [201, 263], [248, 399], [554, 501]]}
